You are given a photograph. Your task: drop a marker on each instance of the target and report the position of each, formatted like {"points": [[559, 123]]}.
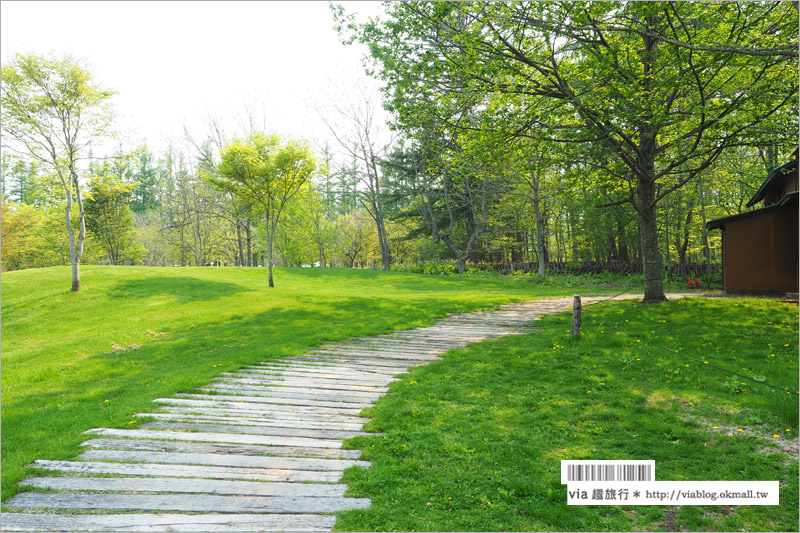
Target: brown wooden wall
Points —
{"points": [[760, 253]]}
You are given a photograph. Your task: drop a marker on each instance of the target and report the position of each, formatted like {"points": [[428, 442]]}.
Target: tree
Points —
{"points": [[355, 128], [265, 171], [654, 92], [145, 178], [110, 219], [51, 112]]}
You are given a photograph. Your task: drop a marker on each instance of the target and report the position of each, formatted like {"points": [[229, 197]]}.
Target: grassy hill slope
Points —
{"points": [[73, 361]]}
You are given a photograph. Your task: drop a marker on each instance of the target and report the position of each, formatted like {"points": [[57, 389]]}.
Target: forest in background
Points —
{"points": [[159, 210], [519, 137]]}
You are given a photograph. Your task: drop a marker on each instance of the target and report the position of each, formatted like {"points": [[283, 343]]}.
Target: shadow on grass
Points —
{"points": [[405, 281], [182, 288], [48, 424]]}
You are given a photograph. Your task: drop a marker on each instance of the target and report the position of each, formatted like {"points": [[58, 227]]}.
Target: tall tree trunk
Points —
{"points": [[270, 237], [75, 245], [386, 259], [648, 236], [573, 232], [612, 247], [706, 249], [537, 212], [646, 188], [269, 262], [239, 242], [685, 244], [76, 275], [469, 221], [377, 206], [249, 244], [517, 248], [460, 263], [667, 254]]}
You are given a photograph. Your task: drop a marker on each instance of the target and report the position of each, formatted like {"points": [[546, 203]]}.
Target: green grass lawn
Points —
{"points": [[474, 442], [73, 361]]}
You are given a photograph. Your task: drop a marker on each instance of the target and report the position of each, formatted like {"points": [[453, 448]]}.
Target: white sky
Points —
{"points": [[174, 62]]}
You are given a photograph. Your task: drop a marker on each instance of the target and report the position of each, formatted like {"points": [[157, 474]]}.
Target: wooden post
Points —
{"points": [[576, 317]]}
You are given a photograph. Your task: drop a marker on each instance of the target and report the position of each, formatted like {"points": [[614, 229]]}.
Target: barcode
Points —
{"points": [[576, 471], [609, 473]]}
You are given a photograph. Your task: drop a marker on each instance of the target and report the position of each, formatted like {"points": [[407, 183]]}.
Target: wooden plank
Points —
{"points": [[394, 371], [244, 421], [319, 382], [254, 430], [381, 363], [387, 362], [361, 401], [411, 342], [258, 410], [313, 393], [352, 378], [274, 390], [164, 470], [241, 402], [156, 523], [401, 366], [289, 398], [277, 416], [232, 438], [343, 369], [373, 355], [199, 486], [381, 348], [379, 351], [215, 447], [216, 459], [188, 503]]}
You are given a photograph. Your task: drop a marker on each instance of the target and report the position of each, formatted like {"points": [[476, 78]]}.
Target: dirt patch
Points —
{"points": [[785, 443], [670, 515]]}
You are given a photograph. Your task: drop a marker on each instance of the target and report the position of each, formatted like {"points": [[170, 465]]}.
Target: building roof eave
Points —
{"points": [[774, 175], [720, 222]]}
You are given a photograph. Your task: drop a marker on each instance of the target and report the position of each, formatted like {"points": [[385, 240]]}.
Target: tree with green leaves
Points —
{"points": [[110, 219], [144, 176], [653, 92], [353, 124], [266, 171], [51, 111]]}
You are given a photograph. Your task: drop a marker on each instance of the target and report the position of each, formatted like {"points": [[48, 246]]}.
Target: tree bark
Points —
{"points": [[623, 253], [646, 191], [542, 258], [648, 236], [706, 249], [75, 245], [461, 264], [241, 260], [76, 275], [249, 245], [270, 237], [469, 221]]}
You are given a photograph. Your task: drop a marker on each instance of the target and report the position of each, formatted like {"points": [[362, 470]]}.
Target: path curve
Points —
{"points": [[255, 450]]}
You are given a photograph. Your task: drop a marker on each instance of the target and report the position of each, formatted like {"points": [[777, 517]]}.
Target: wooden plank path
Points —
{"points": [[258, 449]]}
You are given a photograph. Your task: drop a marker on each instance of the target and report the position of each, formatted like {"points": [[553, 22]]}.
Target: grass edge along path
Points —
{"points": [[73, 361], [360, 366], [474, 442]]}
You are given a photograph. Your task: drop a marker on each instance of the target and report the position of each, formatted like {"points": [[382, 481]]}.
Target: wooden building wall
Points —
{"points": [[760, 252]]}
